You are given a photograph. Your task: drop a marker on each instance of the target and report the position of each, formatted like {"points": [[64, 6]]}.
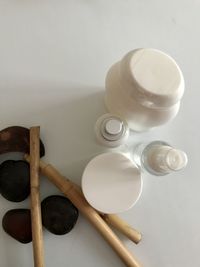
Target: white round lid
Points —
{"points": [[111, 183], [154, 77]]}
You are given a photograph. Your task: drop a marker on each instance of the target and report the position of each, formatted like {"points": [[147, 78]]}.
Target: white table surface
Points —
{"points": [[54, 56]]}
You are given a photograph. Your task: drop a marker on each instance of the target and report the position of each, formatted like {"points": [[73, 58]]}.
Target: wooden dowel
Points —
{"points": [[36, 221], [123, 227], [119, 224], [79, 201]]}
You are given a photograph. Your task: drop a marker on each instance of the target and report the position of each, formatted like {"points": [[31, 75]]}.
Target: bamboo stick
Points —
{"points": [[36, 222], [79, 201], [119, 224], [123, 227]]}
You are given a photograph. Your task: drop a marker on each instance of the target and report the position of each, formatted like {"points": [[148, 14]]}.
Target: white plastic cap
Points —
{"points": [[111, 130], [161, 158], [176, 159], [113, 126]]}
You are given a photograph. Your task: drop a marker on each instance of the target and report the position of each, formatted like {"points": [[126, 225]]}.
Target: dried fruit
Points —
{"points": [[16, 139], [17, 223], [59, 215], [15, 180]]}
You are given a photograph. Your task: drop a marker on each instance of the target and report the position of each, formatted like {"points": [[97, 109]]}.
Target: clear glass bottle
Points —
{"points": [[159, 158], [111, 131]]}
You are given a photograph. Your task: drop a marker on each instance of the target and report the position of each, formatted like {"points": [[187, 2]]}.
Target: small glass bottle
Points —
{"points": [[111, 130], [159, 158]]}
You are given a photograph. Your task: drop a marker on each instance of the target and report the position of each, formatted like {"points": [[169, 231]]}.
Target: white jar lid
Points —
{"points": [[152, 77], [111, 183]]}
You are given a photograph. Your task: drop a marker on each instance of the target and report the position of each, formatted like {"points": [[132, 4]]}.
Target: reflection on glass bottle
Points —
{"points": [[159, 158]]}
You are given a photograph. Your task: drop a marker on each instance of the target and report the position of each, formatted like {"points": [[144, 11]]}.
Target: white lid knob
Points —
{"points": [[113, 126], [176, 159]]}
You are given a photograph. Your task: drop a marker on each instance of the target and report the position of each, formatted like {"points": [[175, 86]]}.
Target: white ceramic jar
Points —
{"points": [[145, 88]]}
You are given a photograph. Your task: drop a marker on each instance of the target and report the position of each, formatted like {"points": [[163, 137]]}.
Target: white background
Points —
{"points": [[54, 56]]}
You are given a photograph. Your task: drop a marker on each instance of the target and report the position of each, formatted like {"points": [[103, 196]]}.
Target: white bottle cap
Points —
{"points": [[111, 130], [152, 78], [176, 159], [113, 126], [164, 159]]}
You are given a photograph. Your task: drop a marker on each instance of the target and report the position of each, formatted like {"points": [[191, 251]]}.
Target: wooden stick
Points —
{"points": [[119, 224], [79, 201], [123, 227], [36, 221]]}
